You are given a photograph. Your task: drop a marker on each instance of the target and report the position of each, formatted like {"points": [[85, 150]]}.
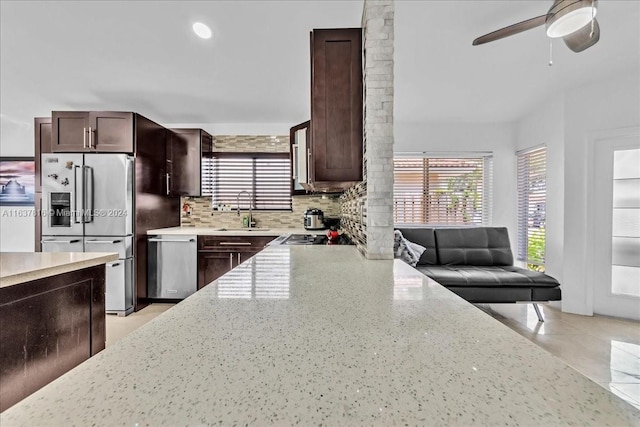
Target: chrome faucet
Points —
{"points": [[250, 210]]}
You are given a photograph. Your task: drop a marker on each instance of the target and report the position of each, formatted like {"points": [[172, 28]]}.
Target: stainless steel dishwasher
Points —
{"points": [[172, 266]]}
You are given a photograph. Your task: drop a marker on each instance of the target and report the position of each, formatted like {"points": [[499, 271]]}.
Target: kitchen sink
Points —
{"points": [[243, 229]]}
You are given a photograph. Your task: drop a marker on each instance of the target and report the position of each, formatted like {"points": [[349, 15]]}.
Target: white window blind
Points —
{"points": [[532, 204], [266, 176], [442, 191]]}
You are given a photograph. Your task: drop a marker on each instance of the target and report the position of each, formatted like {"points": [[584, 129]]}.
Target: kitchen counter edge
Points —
{"points": [[21, 267]]}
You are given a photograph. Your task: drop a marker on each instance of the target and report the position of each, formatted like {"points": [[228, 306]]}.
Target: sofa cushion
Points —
{"points": [[424, 237], [483, 246], [488, 276]]}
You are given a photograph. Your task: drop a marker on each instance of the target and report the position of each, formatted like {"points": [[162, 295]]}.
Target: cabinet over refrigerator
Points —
{"points": [[87, 204]]}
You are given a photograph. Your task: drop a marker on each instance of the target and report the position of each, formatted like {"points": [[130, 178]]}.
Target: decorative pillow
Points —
{"points": [[416, 248], [403, 251]]}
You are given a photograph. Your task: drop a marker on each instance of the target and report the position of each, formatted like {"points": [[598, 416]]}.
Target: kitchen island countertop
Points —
{"points": [[318, 335], [20, 267]]}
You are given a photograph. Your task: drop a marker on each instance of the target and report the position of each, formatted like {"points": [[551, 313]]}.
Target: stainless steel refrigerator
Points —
{"points": [[87, 202]]}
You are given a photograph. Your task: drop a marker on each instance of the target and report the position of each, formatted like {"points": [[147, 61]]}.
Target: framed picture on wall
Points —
{"points": [[17, 181]]}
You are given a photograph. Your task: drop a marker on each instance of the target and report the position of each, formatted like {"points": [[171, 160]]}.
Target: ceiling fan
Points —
{"points": [[568, 19]]}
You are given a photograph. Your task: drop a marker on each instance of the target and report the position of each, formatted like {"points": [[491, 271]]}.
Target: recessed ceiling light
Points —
{"points": [[202, 30]]}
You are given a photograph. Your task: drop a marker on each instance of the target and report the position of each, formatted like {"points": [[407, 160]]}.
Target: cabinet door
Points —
{"points": [[336, 106], [42, 140], [299, 139], [212, 265], [70, 131], [111, 131], [185, 161], [207, 143]]}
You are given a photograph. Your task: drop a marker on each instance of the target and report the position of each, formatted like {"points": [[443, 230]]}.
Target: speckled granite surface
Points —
{"points": [[20, 267], [317, 335]]}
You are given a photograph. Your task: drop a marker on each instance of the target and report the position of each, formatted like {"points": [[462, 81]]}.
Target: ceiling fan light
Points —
{"points": [[568, 16]]}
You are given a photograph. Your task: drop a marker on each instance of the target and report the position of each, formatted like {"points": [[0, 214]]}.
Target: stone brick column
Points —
{"points": [[378, 39]]}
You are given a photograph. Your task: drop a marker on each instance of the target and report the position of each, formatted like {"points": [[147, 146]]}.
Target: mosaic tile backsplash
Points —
{"points": [[202, 216]]}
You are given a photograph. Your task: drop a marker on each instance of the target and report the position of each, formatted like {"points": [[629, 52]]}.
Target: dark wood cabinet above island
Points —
{"points": [[336, 144]]}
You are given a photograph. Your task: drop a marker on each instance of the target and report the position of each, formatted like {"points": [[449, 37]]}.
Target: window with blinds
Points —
{"points": [[442, 191], [267, 176], [532, 206]]}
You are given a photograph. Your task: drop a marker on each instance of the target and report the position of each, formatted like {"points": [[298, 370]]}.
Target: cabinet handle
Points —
{"points": [[84, 137], [238, 258], [235, 243], [90, 137], [109, 242], [308, 163], [168, 184], [172, 240], [294, 166], [230, 260]]}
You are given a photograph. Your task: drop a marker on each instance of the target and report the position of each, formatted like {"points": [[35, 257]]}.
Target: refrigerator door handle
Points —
{"points": [[60, 241], [77, 218], [87, 177], [110, 242]]}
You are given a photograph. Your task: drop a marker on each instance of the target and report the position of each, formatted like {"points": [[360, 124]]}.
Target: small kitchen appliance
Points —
{"points": [[333, 234], [314, 219]]}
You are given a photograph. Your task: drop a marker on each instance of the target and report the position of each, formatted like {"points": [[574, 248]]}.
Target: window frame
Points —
{"points": [[483, 158], [527, 213], [208, 178]]}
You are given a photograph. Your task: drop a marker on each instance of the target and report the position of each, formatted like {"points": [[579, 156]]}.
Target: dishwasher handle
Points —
{"points": [[173, 240]]}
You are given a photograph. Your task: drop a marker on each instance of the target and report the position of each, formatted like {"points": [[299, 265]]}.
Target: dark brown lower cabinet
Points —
{"points": [[219, 254], [212, 265], [49, 326]]}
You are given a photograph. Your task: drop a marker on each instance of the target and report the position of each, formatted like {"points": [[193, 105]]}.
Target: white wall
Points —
{"points": [[237, 128], [610, 105], [567, 124], [498, 138], [17, 224], [545, 125]]}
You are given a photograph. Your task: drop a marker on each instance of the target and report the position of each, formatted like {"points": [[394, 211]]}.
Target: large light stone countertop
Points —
{"points": [[317, 335], [20, 267], [228, 231]]}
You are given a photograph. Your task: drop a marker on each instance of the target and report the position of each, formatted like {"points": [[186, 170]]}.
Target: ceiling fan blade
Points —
{"points": [[511, 30], [582, 39]]}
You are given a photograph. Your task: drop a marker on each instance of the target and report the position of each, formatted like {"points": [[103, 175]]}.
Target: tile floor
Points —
{"points": [[605, 349], [118, 327]]}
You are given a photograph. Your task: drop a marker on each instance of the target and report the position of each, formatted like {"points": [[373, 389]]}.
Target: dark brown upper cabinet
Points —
{"points": [[336, 109], [185, 149], [93, 131], [42, 142], [299, 155]]}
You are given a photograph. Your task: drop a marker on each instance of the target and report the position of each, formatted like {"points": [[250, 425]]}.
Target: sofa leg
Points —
{"points": [[535, 307]]}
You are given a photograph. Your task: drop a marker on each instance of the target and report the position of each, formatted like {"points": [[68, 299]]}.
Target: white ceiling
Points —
{"points": [[441, 77], [143, 56]]}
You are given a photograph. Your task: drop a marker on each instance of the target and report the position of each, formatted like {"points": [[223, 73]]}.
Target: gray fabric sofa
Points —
{"points": [[477, 265]]}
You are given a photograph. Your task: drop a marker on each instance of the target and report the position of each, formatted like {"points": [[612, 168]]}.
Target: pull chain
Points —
{"points": [[550, 52], [593, 17]]}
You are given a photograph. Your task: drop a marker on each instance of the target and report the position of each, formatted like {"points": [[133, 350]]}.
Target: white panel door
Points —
{"points": [[616, 213]]}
